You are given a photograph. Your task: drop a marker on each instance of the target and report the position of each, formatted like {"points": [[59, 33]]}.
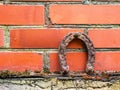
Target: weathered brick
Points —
{"points": [[41, 38], [20, 61], [105, 61], [21, 15], [1, 38], [105, 38], [84, 14]]}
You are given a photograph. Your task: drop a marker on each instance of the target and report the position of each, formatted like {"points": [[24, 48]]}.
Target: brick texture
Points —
{"points": [[105, 61], [105, 38], [76, 61], [84, 14], [41, 38], [51, 38], [29, 27], [1, 38], [20, 61], [25, 15]]}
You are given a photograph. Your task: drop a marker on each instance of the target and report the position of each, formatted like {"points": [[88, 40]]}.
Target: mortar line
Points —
{"points": [[65, 26], [85, 26], [46, 61], [56, 50], [47, 19], [21, 27], [86, 31], [6, 37], [83, 2]]}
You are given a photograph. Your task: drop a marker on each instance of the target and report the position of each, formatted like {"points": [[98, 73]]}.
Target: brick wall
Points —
{"points": [[31, 32]]}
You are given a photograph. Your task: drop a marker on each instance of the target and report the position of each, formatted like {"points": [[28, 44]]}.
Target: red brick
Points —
{"points": [[21, 15], [47, 0], [84, 14], [20, 61], [105, 61], [41, 38], [1, 38], [76, 61], [105, 38]]}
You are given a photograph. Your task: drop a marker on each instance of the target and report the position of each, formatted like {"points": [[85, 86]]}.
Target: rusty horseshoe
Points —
{"points": [[62, 52]]}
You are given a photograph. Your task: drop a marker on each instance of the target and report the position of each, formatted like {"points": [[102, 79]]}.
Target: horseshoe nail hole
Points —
{"points": [[76, 35]]}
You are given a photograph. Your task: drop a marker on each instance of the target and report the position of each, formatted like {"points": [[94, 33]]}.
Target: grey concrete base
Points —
{"points": [[55, 84]]}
